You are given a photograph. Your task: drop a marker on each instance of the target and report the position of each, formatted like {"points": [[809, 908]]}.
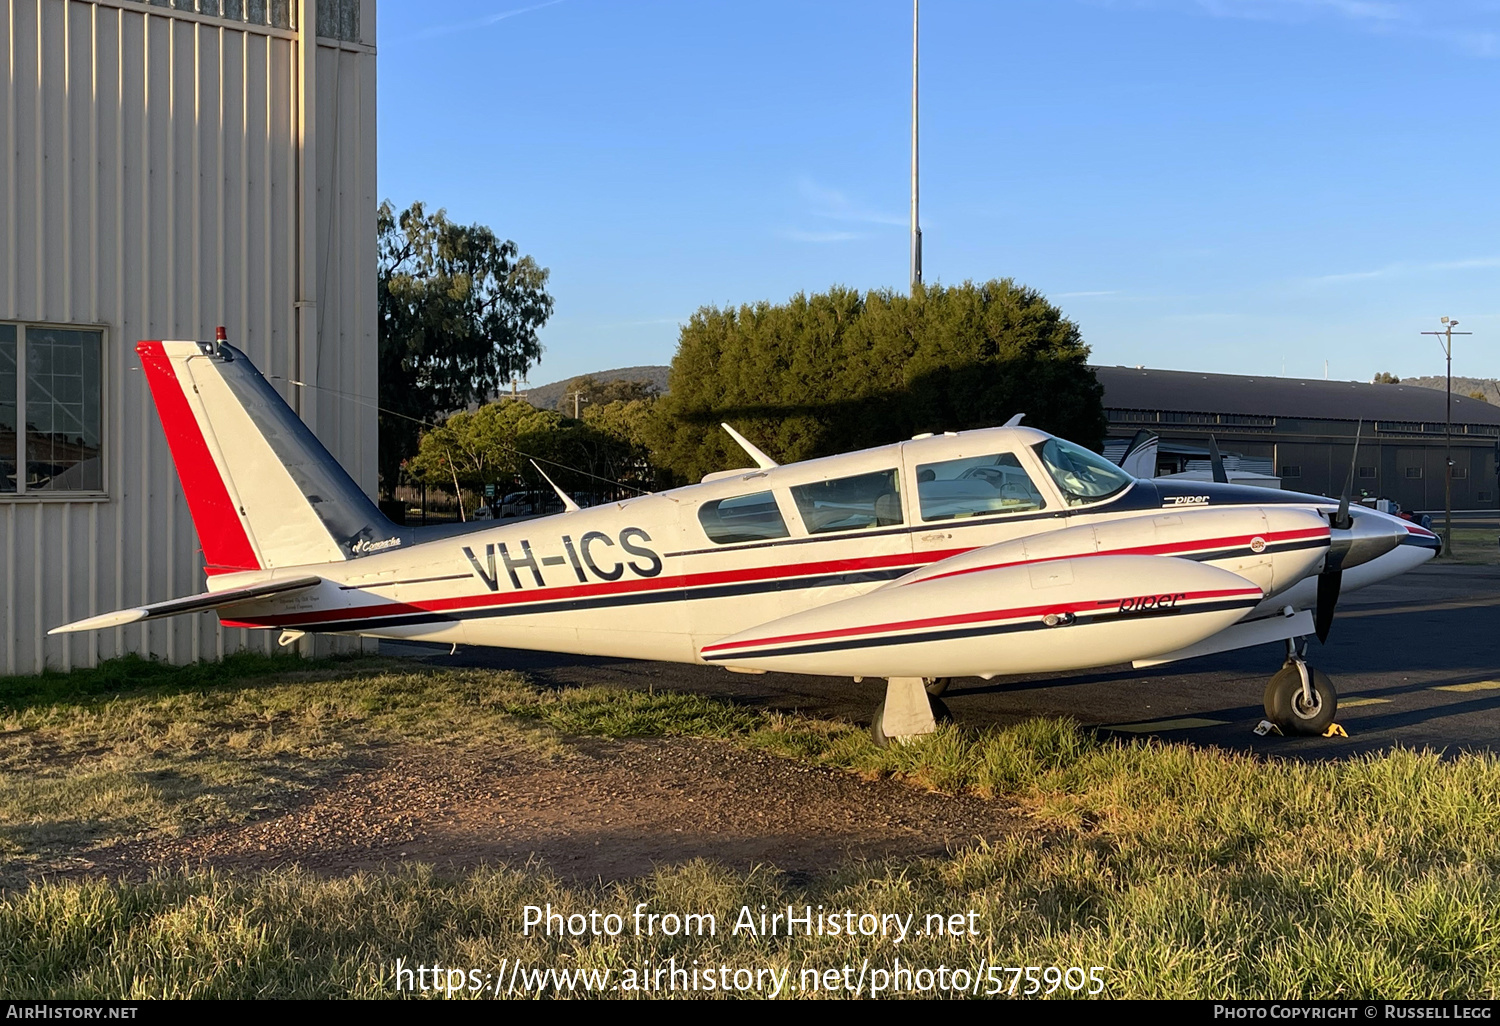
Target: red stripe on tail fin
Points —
{"points": [[226, 547]]}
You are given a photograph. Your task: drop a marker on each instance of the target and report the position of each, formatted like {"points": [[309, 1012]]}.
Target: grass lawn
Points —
{"points": [[1479, 545], [1184, 872]]}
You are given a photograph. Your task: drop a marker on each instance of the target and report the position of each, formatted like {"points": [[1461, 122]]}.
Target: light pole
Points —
{"points": [[916, 230], [1445, 339]]}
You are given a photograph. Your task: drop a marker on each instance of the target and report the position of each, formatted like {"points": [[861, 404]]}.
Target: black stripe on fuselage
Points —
{"points": [[413, 580], [957, 633], [712, 591]]}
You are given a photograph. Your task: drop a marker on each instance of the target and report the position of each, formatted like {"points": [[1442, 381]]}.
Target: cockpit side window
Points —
{"points": [[850, 503], [1082, 476], [743, 518], [976, 486]]}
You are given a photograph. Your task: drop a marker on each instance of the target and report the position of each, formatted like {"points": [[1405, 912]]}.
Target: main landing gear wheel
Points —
{"points": [[936, 686], [1287, 703]]}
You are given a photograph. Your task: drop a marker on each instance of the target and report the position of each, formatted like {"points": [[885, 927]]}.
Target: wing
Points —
{"points": [[1108, 593], [1061, 614], [192, 604]]}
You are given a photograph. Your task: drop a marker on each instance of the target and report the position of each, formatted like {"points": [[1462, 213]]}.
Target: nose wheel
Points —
{"points": [[1300, 699]]}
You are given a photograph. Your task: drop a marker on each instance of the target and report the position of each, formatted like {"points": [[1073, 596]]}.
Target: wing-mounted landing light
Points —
{"points": [[762, 461], [567, 500]]}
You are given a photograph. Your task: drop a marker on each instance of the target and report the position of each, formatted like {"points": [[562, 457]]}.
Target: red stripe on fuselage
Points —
{"points": [[1169, 549], [959, 618], [745, 575], [226, 547]]}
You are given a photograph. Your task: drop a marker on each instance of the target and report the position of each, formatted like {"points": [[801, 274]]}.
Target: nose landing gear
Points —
{"points": [[1300, 699]]}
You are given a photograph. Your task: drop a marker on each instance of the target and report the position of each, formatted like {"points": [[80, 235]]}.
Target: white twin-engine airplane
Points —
{"points": [[997, 551]]}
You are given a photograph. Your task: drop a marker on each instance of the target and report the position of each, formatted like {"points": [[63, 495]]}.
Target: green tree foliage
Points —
{"points": [[1385, 378], [843, 370], [590, 391], [496, 443], [459, 314], [627, 423], [484, 447]]}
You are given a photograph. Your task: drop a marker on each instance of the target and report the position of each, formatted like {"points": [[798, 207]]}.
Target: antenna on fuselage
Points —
{"points": [[568, 504], [762, 461]]}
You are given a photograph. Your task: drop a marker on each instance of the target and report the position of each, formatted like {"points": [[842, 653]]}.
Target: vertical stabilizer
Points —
{"points": [[263, 491]]}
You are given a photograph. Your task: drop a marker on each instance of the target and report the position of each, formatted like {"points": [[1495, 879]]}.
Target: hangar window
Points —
{"points": [[50, 392], [1414, 472], [743, 518], [1366, 472], [976, 486], [1291, 470], [1460, 473], [850, 503]]}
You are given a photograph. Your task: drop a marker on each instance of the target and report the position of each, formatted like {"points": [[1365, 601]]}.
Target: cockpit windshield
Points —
{"points": [[1082, 476]]}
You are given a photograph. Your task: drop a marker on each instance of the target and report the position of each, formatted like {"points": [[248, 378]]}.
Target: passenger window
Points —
{"points": [[742, 518], [850, 503], [976, 486]]}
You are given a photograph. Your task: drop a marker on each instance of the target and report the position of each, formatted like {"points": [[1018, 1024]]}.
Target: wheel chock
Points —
{"points": [[1334, 730], [1266, 727], [907, 712]]}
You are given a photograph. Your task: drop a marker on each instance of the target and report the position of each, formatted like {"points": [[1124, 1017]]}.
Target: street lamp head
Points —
{"points": [[1452, 324]]}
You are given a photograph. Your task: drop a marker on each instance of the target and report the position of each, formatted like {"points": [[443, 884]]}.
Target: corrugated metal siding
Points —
{"points": [[148, 185]]}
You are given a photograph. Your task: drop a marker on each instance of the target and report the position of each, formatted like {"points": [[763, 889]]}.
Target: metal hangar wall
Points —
{"points": [[167, 167]]}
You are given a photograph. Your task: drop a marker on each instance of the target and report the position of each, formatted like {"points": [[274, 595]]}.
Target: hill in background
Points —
{"points": [[1461, 386], [547, 397]]}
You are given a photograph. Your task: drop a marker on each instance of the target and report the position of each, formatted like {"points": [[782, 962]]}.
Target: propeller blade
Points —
{"points": [[1217, 460], [1343, 520], [1329, 582]]}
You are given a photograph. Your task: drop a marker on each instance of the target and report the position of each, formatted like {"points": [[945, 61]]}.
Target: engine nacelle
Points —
{"points": [[1271, 546], [1036, 617]]}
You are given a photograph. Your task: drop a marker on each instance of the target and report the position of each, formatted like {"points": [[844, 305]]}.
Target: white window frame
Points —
{"points": [[50, 495]]}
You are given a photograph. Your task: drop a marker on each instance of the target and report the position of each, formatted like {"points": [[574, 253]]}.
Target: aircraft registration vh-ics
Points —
{"points": [[998, 551]]}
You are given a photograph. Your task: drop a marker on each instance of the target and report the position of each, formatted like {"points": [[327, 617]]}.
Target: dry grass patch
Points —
{"points": [[1188, 872]]}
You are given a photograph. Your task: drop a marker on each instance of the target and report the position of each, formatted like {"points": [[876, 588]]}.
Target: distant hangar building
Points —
{"points": [[1302, 431], [167, 166]]}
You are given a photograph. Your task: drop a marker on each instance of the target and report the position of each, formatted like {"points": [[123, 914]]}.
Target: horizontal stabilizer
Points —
{"points": [[192, 604]]}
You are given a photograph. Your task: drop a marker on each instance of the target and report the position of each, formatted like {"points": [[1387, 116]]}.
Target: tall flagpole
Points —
{"points": [[916, 230]]}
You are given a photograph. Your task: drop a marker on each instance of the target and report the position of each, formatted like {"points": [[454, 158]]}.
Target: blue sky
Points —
{"points": [[1249, 186]]}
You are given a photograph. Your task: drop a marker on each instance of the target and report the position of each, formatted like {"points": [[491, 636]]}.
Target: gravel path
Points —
{"points": [[612, 810]]}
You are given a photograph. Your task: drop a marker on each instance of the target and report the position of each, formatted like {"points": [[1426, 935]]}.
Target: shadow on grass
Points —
{"points": [[131, 673]]}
